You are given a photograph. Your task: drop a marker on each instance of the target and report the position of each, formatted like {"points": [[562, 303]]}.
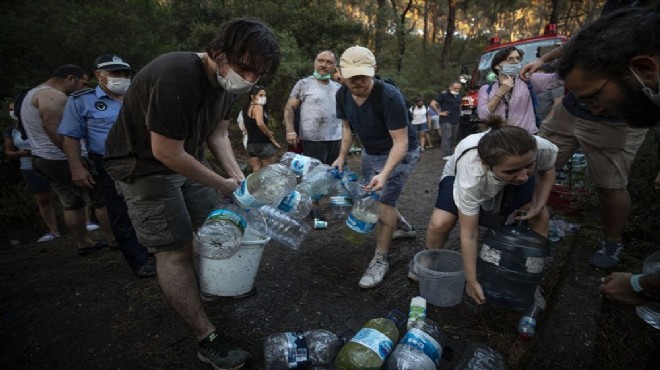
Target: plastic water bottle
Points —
{"points": [[221, 234], [281, 227], [318, 182], [369, 348], [650, 312], [296, 204], [362, 219], [266, 186], [340, 206], [527, 323], [291, 350], [480, 357], [298, 163], [351, 182], [579, 162], [417, 310], [419, 349]]}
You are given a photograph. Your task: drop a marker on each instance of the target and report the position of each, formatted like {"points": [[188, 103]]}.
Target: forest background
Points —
{"points": [[423, 45]]}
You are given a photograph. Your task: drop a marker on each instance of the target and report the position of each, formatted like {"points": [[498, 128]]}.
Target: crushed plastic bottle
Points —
{"points": [[292, 350], [419, 349], [318, 182], [221, 234], [281, 227], [362, 219], [298, 163], [479, 356], [296, 204], [269, 185]]}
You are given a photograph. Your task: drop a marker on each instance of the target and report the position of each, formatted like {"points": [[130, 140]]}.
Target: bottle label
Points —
{"points": [[358, 225], [297, 352], [416, 312], [244, 197], [300, 164], [376, 341], [228, 216], [534, 265], [290, 202], [340, 201], [422, 342], [492, 256]]}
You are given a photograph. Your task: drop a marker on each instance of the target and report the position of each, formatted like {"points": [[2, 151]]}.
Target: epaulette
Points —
{"points": [[82, 92]]}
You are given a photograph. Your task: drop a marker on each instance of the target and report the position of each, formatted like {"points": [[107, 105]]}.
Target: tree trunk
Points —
{"points": [[451, 27], [401, 33], [381, 21], [426, 25], [554, 14]]}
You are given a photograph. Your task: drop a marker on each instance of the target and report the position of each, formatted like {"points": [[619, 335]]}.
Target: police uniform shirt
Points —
{"points": [[89, 115]]}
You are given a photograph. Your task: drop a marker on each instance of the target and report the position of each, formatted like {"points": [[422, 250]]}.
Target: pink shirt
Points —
{"points": [[521, 110]]}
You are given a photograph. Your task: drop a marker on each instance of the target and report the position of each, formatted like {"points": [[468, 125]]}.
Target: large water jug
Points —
{"points": [[510, 265], [650, 312]]}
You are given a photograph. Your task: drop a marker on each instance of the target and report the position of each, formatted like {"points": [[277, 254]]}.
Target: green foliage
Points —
{"points": [[17, 206]]}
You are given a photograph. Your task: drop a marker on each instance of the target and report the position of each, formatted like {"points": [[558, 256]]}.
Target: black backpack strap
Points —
{"points": [[377, 98]]}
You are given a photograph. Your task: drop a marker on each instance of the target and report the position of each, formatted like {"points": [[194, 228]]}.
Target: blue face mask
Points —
{"points": [[319, 76], [511, 69]]}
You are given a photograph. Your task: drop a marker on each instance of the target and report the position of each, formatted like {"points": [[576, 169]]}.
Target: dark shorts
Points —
{"points": [[58, 174], [34, 182], [325, 151], [373, 165], [515, 196], [261, 150]]}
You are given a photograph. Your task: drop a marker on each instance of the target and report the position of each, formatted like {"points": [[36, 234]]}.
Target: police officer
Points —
{"points": [[88, 117]]}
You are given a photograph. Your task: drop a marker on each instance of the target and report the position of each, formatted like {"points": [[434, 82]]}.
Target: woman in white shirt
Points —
{"points": [[489, 176]]}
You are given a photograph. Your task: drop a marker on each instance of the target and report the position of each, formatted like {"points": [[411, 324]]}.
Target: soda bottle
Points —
{"points": [[298, 163], [419, 349], [221, 234], [362, 219], [369, 348], [266, 186], [291, 350], [417, 310], [296, 204]]}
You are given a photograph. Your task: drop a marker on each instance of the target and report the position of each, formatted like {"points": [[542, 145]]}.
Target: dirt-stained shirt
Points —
{"points": [[318, 109]]}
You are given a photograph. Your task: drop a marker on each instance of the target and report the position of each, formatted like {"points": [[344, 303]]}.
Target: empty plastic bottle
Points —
{"points": [[369, 348], [480, 357], [221, 234], [291, 350], [362, 219], [318, 182], [296, 204], [298, 163], [266, 186], [527, 323], [650, 312], [419, 349], [340, 207], [281, 227], [417, 310], [351, 182]]}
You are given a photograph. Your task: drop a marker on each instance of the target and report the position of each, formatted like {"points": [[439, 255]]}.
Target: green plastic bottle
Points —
{"points": [[369, 348]]}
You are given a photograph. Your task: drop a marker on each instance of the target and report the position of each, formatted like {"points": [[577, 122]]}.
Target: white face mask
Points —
{"points": [[652, 95], [118, 85], [12, 115], [234, 83], [455, 93], [261, 100]]}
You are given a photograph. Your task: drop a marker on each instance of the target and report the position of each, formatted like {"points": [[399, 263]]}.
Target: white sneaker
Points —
{"points": [[400, 234], [374, 274], [412, 271], [92, 226]]}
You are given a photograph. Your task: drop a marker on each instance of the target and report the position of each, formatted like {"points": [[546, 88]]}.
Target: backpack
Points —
{"points": [[376, 94], [532, 94], [18, 102]]}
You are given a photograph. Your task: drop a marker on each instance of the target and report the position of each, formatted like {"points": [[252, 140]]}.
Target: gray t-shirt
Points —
{"points": [[318, 110]]}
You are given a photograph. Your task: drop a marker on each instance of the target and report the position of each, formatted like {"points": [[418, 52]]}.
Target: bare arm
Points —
{"points": [[79, 173], [173, 155], [534, 66], [469, 232], [616, 286], [11, 151], [50, 103], [346, 141], [544, 182], [220, 146], [258, 113], [289, 109]]}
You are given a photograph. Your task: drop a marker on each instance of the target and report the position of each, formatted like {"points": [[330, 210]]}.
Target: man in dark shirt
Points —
{"points": [[176, 104], [449, 105]]}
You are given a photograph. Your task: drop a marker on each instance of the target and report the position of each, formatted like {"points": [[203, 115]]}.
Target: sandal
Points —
{"points": [[48, 237]]}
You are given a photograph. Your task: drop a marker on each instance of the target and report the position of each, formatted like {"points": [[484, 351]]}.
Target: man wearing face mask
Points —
{"points": [[88, 116], [320, 129], [175, 107], [449, 104], [510, 97]]}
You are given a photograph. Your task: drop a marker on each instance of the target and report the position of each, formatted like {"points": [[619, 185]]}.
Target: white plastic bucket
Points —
{"points": [[441, 276], [233, 276]]}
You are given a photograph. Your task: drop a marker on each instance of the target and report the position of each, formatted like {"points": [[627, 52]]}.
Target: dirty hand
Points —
{"points": [[473, 289], [616, 286], [228, 186], [338, 163], [292, 138], [529, 68]]}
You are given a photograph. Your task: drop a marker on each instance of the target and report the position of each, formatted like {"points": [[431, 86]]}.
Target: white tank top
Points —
{"points": [[40, 143]]}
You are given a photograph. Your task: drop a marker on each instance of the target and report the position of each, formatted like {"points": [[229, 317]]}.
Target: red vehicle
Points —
{"points": [[533, 47]]}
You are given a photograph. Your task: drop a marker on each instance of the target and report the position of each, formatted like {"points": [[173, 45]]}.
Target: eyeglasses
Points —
{"points": [[593, 99], [513, 59]]}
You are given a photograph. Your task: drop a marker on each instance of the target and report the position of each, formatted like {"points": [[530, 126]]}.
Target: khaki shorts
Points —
{"points": [[58, 175], [166, 209], [609, 147]]}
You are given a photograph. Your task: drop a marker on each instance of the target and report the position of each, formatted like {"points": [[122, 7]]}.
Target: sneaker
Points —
{"points": [[144, 271], [401, 234], [607, 256], [48, 237], [92, 226], [412, 272], [220, 354], [374, 274]]}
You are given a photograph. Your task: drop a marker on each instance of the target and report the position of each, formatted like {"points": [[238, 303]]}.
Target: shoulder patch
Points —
{"points": [[82, 92]]}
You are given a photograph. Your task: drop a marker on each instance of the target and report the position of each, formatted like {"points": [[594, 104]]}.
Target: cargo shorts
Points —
{"points": [[373, 165]]}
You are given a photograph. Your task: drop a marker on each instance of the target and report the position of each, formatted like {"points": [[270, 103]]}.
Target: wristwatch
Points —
{"points": [[637, 288]]}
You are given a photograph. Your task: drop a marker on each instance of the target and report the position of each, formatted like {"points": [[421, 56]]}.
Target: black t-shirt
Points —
{"points": [[255, 135], [371, 130], [171, 96], [452, 104]]}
